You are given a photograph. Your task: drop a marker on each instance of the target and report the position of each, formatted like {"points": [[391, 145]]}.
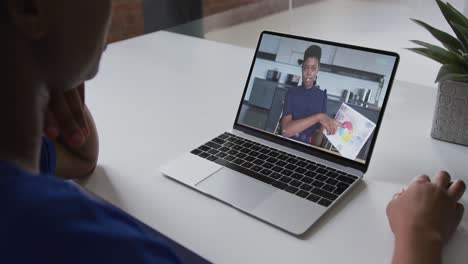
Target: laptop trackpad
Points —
{"points": [[237, 189]]}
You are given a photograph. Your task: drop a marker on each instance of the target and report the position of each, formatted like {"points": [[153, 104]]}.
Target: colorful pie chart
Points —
{"points": [[345, 131]]}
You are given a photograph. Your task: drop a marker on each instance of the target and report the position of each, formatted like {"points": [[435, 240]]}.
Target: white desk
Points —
{"points": [[162, 94]]}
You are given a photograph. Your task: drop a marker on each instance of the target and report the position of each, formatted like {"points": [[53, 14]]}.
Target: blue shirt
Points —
{"points": [[301, 103], [45, 219]]}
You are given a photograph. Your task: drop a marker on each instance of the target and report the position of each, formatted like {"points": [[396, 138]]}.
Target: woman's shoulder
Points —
{"points": [[323, 92], [317, 91]]}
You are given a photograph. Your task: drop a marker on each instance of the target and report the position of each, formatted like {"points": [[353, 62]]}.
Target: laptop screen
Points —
{"points": [[325, 96]]}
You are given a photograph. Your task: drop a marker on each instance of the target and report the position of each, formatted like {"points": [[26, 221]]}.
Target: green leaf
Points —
{"points": [[427, 53], [453, 73], [454, 57], [439, 54], [429, 46], [460, 16], [454, 17], [446, 39], [462, 29]]}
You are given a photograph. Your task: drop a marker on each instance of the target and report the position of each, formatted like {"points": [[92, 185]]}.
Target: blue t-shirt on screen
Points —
{"points": [[301, 103], [45, 219]]}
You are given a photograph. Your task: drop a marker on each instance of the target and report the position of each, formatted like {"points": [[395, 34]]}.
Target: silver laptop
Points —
{"points": [[303, 135]]}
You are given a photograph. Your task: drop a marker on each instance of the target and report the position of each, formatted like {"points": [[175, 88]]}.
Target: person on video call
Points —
{"points": [[305, 107], [50, 51]]}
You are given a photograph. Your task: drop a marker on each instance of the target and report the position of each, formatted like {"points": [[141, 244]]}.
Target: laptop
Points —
{"points": [[304, 132]]}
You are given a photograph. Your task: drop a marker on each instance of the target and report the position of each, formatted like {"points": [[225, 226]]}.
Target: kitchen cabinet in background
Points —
{"points": [[253, 116], [276, 109], [262, 93], [367, 62], [363, 61], [265, 105]]}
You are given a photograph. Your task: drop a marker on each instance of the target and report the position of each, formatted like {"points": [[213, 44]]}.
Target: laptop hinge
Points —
{"points": [[292, 151]]}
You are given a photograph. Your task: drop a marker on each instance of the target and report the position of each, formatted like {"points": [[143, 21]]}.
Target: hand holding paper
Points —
{"points": [[353, 133]]}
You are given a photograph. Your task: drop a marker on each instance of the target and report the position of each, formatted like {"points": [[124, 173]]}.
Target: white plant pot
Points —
{"points": [[451, 113]]}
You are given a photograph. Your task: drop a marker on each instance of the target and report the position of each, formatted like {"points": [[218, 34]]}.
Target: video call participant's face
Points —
{"points": [[310, 67]]}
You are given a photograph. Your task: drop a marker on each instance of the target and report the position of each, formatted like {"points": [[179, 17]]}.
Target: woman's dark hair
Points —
{"points": [[313, 51]]}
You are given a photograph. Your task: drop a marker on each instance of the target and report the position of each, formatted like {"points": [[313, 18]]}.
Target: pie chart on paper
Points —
{"points": [[353, 133], [345, 131]]}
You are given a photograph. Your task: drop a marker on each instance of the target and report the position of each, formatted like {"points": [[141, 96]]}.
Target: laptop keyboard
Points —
{"points": [[304, 178]]}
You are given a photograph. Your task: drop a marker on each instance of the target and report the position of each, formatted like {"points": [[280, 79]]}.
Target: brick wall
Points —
{"points": [[211, 7], [226, 13], [127, 19]]}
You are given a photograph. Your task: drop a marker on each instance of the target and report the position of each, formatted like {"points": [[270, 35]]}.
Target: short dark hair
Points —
{"points": [[313, 51]]}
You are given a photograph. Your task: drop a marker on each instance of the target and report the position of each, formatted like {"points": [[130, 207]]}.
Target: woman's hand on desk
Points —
{"points": [[71, 126], [424, 216], [66, 117]]}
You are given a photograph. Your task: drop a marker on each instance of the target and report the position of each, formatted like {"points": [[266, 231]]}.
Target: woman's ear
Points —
{"points": [[27, 16]]}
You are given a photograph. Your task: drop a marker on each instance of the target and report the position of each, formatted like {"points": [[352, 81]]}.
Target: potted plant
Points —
{"points": [[450, 121]]}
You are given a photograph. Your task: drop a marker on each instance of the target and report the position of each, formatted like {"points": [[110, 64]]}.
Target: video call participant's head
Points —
{"points": [[311, 66], [305, 107]]}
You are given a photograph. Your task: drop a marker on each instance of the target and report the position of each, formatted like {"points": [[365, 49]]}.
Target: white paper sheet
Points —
{"points": [[353, 134]]}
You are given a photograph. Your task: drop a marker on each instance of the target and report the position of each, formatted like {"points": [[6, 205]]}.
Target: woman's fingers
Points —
{"points": [[457, 189], [421, 179], [396, 195], [333, 125], [337, 123], [327, 128], [75, 105], [66, 121], [442, 179]]}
